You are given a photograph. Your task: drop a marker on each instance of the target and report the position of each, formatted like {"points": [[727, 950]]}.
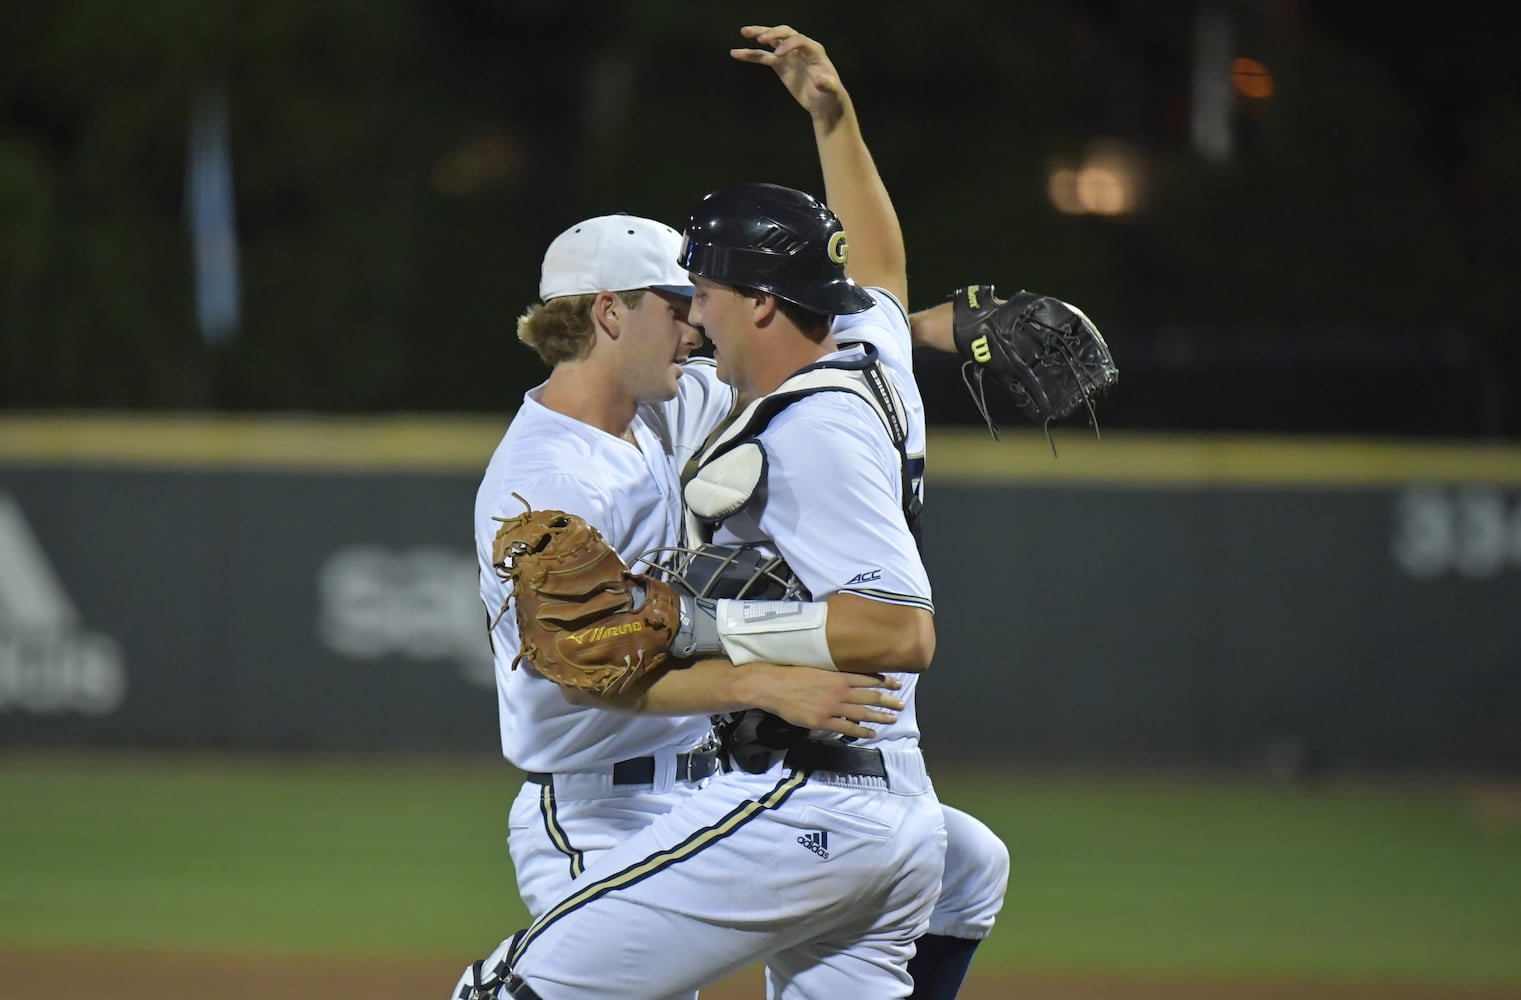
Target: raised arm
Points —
{"points": [[852, 186]]}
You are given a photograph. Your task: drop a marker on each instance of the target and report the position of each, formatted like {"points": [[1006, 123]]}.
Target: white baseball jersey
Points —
{"points": [[630, 494], [834, 492], [827, 878], [553, 838]]}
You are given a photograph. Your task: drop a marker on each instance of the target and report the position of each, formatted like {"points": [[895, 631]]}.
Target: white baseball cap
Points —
{"points": [[613, 253]]}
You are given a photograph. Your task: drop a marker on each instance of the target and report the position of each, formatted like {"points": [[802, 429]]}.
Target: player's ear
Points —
{"points": [[607, 313], [765, 306]]}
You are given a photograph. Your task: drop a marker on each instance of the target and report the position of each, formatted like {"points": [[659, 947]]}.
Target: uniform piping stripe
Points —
{"points": [[556, 832], [891, 598], [654, 864]]}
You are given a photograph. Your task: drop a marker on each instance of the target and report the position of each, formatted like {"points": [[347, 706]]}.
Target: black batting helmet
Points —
{"points": [[775, 239]]}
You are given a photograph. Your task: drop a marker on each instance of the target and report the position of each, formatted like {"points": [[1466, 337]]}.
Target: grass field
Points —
{"points": [[1183, 878]]}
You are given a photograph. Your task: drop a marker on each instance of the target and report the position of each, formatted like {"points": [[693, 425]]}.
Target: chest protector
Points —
{"points": [[730, 475]]}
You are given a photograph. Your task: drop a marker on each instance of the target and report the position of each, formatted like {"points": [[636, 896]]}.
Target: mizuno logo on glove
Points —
{"points": [[606, 632]]}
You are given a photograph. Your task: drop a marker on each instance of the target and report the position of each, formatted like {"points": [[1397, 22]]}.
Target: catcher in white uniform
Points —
{"points": [[823, 859], [892, 336], [623, 410]]}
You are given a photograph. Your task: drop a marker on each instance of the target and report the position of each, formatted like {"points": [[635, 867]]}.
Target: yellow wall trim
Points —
{"points": [[423, 444]]}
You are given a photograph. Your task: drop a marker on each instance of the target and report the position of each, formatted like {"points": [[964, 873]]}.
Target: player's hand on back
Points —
{"points": [[802, 65], [826, 700]]}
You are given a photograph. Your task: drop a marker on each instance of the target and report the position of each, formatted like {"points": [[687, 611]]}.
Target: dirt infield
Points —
{"points": [[50, 975]]}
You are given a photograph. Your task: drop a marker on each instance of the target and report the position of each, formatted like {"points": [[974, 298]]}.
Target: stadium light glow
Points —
{"points": [[1107, 182], [1251, 78]]}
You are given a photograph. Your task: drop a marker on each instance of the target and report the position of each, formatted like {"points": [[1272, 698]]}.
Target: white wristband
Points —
{"points": [[784, 632]]}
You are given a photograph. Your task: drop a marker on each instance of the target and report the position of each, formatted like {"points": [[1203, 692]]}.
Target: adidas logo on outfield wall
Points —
{"points": [[817, 842], [50, 661]]}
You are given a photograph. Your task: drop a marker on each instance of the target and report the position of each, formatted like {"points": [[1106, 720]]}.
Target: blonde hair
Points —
{"points": [[561, 329]]}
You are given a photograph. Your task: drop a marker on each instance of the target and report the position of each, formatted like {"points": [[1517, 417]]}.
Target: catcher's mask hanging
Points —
{"points": [[716, 572]]}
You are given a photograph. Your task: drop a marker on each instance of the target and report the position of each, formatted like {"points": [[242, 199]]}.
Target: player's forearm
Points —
{"points": [[854, 190], [701, 687], [847, 633], [933, 328], [844, 703]]}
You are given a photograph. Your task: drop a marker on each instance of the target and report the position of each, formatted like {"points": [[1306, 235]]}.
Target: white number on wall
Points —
{"points": [[1472, 531]]}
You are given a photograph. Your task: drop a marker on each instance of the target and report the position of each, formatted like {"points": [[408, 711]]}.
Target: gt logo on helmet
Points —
{"points": [[837, 247]]}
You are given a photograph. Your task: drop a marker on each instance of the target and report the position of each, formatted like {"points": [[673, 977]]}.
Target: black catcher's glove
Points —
{"points": [[1046, 353]]}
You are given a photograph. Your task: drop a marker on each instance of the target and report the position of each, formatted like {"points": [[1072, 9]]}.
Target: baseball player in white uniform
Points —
{"points": [[622, 411], [824, 860], [575, 805]]}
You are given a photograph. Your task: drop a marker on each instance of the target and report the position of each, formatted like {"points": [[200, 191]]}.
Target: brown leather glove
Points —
{"points": [[584, 621]]}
